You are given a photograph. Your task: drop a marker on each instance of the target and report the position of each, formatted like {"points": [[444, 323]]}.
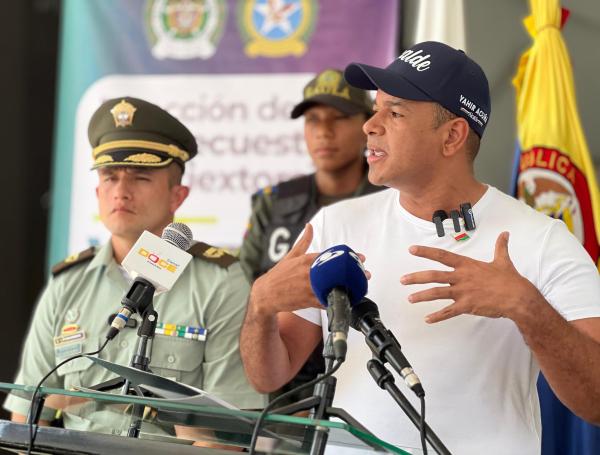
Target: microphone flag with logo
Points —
{"points": [[338, 267], [338, 279], [160, 260], [155, 264]]}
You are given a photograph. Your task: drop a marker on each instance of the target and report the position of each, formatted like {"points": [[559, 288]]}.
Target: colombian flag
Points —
{"points": [[554, 171], [554, 174]]}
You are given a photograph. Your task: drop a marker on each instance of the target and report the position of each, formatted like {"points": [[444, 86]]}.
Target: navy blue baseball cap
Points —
{"points": [[431, 71]]}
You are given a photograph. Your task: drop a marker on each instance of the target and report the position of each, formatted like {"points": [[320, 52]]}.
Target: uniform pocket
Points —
{"points": [[177, 358], [74, 369]]}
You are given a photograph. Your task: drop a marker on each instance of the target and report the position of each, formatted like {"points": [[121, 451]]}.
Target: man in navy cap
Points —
{"points": [[478, 315]]}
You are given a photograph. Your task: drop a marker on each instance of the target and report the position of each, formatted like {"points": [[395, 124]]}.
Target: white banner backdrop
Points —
{"points": [[231, 70]]}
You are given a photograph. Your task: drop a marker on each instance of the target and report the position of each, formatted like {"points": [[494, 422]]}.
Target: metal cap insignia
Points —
{"points": [[123, 113]]}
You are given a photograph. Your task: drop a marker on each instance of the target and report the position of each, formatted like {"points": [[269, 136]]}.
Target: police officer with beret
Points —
{"points": [[334, 113], [139, 151]]}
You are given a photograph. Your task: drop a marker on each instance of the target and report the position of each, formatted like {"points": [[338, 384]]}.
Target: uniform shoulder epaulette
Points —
{"points": [[218, 256], [74, 259]]}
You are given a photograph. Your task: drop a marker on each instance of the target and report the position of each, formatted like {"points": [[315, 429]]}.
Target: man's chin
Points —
{"points": [[376, 179], [125, 232]]}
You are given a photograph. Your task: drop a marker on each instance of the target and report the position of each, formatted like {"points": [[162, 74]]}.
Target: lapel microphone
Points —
{"points": [[465, 212]]}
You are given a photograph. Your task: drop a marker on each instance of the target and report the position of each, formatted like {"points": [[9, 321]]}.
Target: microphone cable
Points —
{"points": [[423, 427], [33, 408], [263, 414]]}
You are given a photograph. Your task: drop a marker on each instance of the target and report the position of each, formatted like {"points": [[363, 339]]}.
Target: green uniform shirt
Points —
{"points": [[81, 299], [277, 219]]}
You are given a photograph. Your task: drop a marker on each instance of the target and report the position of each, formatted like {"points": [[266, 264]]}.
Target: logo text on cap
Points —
{"points": [[328, 83], [415, 59]]}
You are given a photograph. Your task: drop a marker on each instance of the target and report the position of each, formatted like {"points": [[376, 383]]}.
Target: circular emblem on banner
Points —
{"points": [[553, 194], [185, 29], [276, 28]]}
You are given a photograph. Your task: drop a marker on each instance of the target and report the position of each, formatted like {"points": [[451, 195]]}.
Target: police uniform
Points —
{"points": [[199, 319], [279, 213]]}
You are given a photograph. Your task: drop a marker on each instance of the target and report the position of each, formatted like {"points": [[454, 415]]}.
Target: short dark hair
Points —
{"points": [[442, 115], [175, 174]]}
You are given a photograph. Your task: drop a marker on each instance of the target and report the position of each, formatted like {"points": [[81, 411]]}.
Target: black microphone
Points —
{"points": [[338, 315], [365, 319], [438, 217], [467, 214], [136, 300], [154, 263]]}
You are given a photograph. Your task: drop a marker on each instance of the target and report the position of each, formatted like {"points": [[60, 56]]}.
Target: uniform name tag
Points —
{"points": [[69, 338], [68, 350], [68, 344]]}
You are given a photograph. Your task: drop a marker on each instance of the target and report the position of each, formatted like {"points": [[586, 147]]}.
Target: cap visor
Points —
{"points": [[372, 78], [132, 158], [341, 104]]}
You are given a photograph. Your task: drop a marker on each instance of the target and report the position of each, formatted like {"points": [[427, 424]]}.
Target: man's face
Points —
{"points": [[335, 140], [404, 145], [132, 200]]}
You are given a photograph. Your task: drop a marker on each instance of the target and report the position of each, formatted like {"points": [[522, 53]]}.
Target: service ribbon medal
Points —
{"points": [[181, 331]]}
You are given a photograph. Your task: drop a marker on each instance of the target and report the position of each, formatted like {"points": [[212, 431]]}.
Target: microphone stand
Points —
{"points": [[320, 406], [141, 361], [324, 391], [384, 379]]}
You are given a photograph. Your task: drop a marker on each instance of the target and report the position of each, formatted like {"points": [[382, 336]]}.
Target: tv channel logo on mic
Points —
{"points": [[338, 267], [156, 260]]}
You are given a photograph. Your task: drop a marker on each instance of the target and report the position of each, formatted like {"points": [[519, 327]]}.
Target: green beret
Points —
{"points": [[133, 132]]}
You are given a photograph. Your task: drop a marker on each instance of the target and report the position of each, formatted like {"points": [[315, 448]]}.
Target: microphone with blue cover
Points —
{"points": [[338, 279]]}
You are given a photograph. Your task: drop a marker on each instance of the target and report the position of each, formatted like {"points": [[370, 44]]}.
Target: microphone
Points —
{"points": [[155, 263], [365, 319], [160, 260], [338, 279]]}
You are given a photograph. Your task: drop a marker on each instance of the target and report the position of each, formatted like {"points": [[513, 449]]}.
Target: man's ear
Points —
{"points": [[179, 193], [457, 131]]}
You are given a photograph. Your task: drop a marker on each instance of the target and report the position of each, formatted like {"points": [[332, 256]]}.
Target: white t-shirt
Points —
{"points": [[478, 374]]}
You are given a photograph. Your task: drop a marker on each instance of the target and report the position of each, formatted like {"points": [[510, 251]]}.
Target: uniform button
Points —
{"points": [[124, 343], [171, 359]]}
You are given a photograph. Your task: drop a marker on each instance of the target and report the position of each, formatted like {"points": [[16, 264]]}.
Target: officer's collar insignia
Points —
{"points": [[215, 253], [71, 258], [209, 253], [123, 113]]}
